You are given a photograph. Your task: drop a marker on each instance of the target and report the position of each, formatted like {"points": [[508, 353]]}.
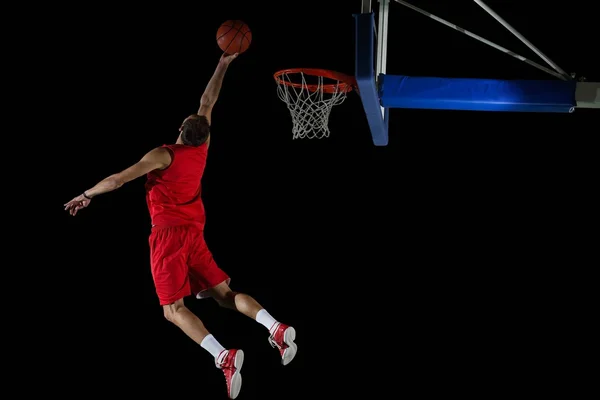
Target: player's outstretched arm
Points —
{"points": [[158, 158], [211, 93]]}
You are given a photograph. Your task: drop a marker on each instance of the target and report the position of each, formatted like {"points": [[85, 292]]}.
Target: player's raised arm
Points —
{"points": [[211, 93], [155, 159]]}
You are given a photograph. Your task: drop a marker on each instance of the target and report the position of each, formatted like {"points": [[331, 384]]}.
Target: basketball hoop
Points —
{"points": [[310, 103]]}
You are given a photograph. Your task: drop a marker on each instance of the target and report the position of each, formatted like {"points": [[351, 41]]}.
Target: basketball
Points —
{"points": [[234, 36]]}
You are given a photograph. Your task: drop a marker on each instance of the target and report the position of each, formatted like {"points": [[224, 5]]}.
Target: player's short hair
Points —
{"points": [[195, 130]]}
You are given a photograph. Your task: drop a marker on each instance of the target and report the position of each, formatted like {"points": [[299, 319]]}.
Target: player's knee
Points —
{"points": [[226, 299], [172, 310]]}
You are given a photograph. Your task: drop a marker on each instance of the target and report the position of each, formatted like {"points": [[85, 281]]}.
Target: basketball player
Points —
{"points": [[181, 262]]}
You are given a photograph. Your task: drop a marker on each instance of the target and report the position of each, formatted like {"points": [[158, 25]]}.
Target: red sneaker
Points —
{"points": [[230, 362], [282, 337]]}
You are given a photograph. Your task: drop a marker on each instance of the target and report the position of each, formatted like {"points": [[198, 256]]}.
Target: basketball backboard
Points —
{"points": [[380, 91]]}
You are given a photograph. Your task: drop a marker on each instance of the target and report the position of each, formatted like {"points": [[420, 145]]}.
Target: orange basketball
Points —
{"points": [[234, 36]]}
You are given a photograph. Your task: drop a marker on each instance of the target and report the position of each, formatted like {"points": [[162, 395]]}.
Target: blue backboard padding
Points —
{"points": [[399, 91], [365, 78]]}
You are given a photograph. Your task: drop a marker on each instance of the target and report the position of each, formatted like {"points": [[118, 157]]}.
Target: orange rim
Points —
{"points": [[346, 84]]}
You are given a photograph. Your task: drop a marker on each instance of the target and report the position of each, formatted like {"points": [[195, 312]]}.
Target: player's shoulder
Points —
{"points": [[161, 155], [161, 150]]}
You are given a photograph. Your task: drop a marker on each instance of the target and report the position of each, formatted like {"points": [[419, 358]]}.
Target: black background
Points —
{"points": [[420, 266]]}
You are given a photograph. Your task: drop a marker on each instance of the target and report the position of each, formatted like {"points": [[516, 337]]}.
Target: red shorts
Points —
{"points": [[181, 263]]}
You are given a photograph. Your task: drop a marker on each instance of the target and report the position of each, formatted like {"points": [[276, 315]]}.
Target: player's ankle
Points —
{"points": [[265, 319]]}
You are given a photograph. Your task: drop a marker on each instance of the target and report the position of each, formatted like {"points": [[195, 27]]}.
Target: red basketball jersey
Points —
{"points": [[173, 195]]}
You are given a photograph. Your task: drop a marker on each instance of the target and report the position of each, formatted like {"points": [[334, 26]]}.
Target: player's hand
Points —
{"points": [[77, 204], [226, 58]]}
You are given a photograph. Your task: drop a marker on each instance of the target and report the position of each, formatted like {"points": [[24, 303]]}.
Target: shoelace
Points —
{"points": [[274, 343]]}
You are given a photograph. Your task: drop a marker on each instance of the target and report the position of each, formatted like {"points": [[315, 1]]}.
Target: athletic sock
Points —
{"points": [[210, 344], [265, 319]]}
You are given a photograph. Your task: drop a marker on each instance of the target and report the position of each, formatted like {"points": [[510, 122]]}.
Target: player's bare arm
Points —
{"points": [[158, 158], [211, 93]]}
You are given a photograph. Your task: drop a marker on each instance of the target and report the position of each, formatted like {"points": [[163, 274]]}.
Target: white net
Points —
{"points": [[309, 104]]}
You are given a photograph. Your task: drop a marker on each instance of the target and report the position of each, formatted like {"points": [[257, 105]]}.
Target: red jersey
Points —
{"points": [[173, 194]]}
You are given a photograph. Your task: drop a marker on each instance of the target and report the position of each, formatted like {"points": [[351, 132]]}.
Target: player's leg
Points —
{"points": [[190, 324], [169, 252], [228, 360], [170, 248], [282, 336], [241, 302], [208, 280]]}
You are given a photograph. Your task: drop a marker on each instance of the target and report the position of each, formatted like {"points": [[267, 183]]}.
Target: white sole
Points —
{"points": [[288, 354], [236, 378]]}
